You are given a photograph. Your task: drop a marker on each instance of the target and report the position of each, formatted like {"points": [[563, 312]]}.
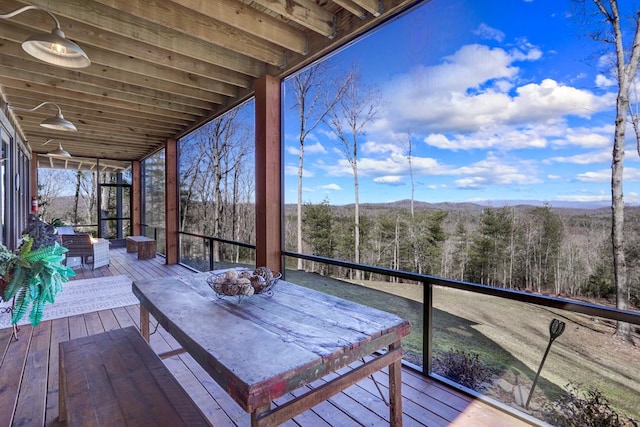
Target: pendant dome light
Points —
{"points": [[53, 48], [58, 152], [58, 122]]}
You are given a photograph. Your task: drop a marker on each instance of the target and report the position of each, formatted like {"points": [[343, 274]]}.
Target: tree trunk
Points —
{"points": [[623, 329], [299, 207], [356, 243]]}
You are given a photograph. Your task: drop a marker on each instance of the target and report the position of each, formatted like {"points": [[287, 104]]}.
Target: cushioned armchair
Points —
{"points": [[79, 245], [85, 247]]}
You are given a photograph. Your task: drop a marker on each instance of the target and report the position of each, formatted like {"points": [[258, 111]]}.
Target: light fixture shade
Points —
{"points": [[58, 123], [53, 48], [56, 49], [59, 152]]}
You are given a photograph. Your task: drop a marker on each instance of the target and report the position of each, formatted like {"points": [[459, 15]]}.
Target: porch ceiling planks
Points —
{"points": [[160, 68]]}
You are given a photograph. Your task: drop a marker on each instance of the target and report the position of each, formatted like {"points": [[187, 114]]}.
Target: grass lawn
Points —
{"points": [[509, 336]]}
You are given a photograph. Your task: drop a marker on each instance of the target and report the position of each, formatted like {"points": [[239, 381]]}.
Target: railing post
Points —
{"points": [[427, 327], [210, 254]]}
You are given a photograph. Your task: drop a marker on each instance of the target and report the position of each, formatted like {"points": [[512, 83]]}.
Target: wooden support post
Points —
{"points": [[136, 198], [171, 202], [33, 176], [268, 173]]}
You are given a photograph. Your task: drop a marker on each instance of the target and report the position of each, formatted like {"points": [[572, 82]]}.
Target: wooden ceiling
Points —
{"points": [[159, 67]]}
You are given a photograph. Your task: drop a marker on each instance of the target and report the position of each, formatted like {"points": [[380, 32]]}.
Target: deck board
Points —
{"points": [[29, 373]]}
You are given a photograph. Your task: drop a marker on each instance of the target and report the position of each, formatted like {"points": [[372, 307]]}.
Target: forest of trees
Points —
{"points": [[537, 248], [217, 181], [71, 197]]}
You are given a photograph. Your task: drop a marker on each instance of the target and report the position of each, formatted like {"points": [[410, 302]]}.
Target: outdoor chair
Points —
{"points": [[84, 247]]}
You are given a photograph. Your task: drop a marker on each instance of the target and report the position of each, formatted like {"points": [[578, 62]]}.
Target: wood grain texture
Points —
{"points": [[261, 348], [34, 380], [13, 363], [426, 402], [144, 246], [115, 378]]}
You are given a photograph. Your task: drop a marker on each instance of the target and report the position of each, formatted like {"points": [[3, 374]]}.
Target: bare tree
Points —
{"points": [[357, 106], [626, 66], [412, 228], [315, 95], [51, 183], [212, 173]]}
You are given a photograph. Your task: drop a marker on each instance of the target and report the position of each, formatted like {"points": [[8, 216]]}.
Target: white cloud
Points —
{"points": [[526, 51], [597, 176], [497, 171], [293, 171], [331, 187], [584, 137], [605, 82], [390, 180], [549, 99], [436, 187], [581, 159], [631, 174], [476, 87], [316, 148], [387, 164], [502, 138], [602, 197], [488, 33], [472, 183], [371, 148]]}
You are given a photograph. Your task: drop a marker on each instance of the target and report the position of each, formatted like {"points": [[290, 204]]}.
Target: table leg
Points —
{"points": [[257, 412], [144, 323], [62, 391], [395, 389]]}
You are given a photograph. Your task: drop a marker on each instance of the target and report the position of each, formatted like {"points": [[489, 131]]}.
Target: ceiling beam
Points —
{"points": [[374, 7], [304, 12], [142, 40]]}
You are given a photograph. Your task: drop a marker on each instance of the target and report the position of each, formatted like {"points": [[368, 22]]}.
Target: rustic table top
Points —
{"points": [[262, 347]]}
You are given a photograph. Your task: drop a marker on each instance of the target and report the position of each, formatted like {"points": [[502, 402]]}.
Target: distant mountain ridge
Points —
{"points": [[482, 204]]}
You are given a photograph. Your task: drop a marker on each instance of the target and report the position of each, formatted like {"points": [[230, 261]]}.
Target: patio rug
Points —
{"points": [[82, 296]]}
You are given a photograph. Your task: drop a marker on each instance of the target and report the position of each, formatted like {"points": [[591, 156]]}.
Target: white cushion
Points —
{"points": [[65, 230]]}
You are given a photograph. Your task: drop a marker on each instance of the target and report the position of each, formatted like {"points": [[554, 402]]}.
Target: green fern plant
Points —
{"points": [[34, 277]]}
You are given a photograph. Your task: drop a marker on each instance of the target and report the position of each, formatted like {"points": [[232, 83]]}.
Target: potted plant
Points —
{"points": [[34, 275]]}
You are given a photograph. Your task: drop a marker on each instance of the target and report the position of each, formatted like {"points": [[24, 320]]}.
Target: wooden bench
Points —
{"points": [[114, 378], [145, 246]]}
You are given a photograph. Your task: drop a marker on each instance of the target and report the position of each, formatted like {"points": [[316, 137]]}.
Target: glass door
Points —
{"points": [[115, 209]]}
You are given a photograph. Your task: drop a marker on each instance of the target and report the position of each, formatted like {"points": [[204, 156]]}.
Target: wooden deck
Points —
{"points": [[29, 374]]}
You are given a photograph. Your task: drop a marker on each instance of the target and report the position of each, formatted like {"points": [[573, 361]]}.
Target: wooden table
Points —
{"points": [[261, 348], [145, 246]]}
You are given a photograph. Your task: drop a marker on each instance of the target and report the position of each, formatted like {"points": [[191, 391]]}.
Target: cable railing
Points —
{"points": [[501, 324], [203, 257], [575, 306]]}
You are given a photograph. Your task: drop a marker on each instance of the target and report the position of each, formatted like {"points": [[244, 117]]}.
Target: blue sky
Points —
{"points": [[503, 99]]}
